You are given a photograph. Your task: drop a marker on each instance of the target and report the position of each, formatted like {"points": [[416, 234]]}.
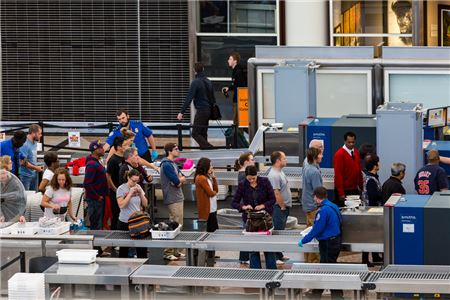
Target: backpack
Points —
{"points": [[139, 225]]}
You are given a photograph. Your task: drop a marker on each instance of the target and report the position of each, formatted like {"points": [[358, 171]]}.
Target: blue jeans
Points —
{"points": [[95, 210], [279, 219], [29, 182], [255, 260]]}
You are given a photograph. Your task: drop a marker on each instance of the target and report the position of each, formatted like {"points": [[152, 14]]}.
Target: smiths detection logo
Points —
{"points": [[408, 217]]}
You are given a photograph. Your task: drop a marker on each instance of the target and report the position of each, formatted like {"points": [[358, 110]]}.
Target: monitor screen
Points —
{"points": [[437, 117]]}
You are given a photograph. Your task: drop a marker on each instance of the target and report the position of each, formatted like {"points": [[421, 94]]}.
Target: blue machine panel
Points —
{"points": [[409, 229], [320, 129]]}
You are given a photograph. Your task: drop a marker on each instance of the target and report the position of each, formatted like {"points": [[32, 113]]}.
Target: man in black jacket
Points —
{"points": [[238, 79], [201, 91], [394, 184]]}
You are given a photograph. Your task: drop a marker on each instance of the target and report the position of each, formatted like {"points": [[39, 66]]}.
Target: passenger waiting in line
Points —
{"points": [[245, 159], [283, 196], [144, 136], [29, 168], [131, 161], [393, 185], [52, 163], [113, 177], [431, 178], [255, 193], [206, 190], [311, 179], [57, 197], [172, 181], [11, 148], [327, 230], [6, 163], [130, 199], [129, 138], [348, 179], [372, 195]]}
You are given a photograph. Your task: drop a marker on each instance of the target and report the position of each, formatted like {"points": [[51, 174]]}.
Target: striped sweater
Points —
{"points": [[95, 184]]}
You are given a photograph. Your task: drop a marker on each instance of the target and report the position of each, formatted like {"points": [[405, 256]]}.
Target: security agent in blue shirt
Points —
{"points": [[327, 230], [11, 148], [144, 136]]}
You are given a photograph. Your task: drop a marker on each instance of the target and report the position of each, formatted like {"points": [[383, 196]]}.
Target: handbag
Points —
{"points": [[258, 221], [215, 110]]}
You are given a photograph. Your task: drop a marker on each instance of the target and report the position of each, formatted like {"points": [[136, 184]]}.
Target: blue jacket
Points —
{"points": [[7, 148], [327, 223], [141, 131], [199, 92]]}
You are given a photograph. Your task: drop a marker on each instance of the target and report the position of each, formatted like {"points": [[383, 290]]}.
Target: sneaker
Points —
{"points": [[171, 257], [280, 262], [245, 262]]}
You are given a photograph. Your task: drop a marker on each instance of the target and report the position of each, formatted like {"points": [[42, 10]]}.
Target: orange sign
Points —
{"points": [[242, 99]]}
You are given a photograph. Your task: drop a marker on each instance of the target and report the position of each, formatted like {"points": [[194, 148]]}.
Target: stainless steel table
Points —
{"points": [[146, 275], [185, 240], [324, 276], [111, 271], [411, 279]]}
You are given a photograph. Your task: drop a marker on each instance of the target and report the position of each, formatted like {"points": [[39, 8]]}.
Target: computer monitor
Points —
{"points": [[437, 117]]}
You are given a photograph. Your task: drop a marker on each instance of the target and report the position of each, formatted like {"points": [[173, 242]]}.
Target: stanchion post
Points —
{"points": [[22, 262], [41, 124], [180, 136], [235, 136]]}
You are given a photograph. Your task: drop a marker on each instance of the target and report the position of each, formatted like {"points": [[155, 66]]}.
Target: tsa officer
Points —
{"points": [[144, 136], [327, 230]]}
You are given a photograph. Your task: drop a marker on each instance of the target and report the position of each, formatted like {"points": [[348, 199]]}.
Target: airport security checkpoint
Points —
{"points": [[55, 243]]}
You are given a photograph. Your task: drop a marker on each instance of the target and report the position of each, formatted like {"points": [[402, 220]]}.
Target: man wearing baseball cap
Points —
{"points": [[95, 186]]}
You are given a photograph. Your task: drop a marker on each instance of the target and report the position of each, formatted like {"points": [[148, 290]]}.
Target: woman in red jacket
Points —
{"points": [[206, 190]]}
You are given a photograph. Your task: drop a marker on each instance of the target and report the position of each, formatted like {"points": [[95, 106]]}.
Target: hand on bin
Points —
{"points": [[300, 243]]}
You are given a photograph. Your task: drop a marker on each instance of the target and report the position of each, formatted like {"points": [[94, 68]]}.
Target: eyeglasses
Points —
{"points": [[176, 148]]}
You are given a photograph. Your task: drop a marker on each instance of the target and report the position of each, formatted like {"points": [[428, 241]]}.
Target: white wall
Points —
{"points": [[307, 23]]}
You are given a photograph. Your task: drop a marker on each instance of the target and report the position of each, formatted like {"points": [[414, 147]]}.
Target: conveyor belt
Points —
{"points": [[120, 238], [201, 276], [411, 279]]}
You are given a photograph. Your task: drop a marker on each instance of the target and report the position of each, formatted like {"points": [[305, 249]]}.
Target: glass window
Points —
{"points": [[252, 16], [430, 89], [237, 16], [214, 51], [268, 95], [341, 94], [387, 17]]}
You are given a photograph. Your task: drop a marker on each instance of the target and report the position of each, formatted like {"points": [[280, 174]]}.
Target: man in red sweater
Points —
{"points": [[348, 178]]}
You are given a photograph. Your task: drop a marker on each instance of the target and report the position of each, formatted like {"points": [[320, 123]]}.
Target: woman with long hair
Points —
{"points": [[206, 190], [57, 197]]}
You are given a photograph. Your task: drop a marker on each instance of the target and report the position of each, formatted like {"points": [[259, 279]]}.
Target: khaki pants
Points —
{"points": [[311, 257], [175, 214]]}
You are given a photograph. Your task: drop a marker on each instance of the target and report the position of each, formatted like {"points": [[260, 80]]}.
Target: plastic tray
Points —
{"points": [[76, 256], [166, 235], [55, 230], [6, 228], [28, 228], [266, 232]]}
